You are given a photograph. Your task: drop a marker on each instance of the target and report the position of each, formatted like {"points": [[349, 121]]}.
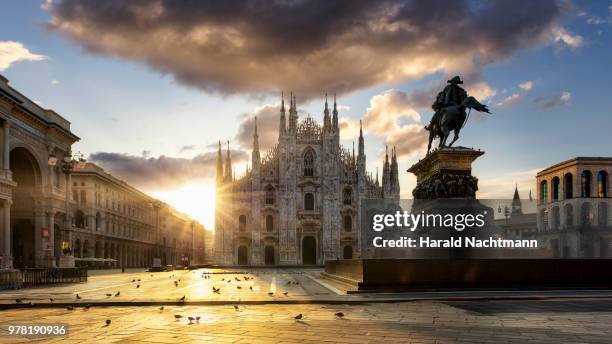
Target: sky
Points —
{"points": [[152, 86]]}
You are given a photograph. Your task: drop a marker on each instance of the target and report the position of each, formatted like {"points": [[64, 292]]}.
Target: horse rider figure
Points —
{"points": [[452, 94]]}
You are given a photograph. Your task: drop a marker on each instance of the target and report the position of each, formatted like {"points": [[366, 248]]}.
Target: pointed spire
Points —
{"points": [[282, 101], [361, 148], [219, 164], [282, 128], [255, 136], [335, 116], [228, 165]]}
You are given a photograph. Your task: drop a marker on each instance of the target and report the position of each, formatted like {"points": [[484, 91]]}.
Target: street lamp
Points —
{"points": [[69, 164], [156, 205]]}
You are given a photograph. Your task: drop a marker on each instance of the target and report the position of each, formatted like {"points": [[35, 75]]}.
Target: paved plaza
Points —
{"points": [[265, 314]]}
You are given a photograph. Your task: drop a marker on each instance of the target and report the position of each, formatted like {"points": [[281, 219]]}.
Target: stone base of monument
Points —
{"points": [[382, 275]]}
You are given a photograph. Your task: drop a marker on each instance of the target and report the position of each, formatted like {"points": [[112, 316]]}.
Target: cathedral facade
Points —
{"points": [[300, 203]]}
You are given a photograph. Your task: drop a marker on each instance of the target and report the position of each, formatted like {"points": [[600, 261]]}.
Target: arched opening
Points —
{"points": [[243, 255], [309, 251], [309, 158], [347, 252], [83, 197], [79, 219], [347, 196], [556, 190], [586, 214], [544, 191], [269, 195], [544, 219], [309, 201], [602, 214], [348, 223], [556, 218], [585, 183], [269, 255], [602, 184], [269, 223], [242, 223], [26, 173], [568, 185]]}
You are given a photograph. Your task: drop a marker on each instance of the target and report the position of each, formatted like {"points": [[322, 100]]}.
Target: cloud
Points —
{"points": [[509, 100], [268, 120], [259, 47], [187, 148], [549, 102], [526, 86], [386, 110], [409, 140], [55, 82], [349, 129], [12, 52], [163, 172]]}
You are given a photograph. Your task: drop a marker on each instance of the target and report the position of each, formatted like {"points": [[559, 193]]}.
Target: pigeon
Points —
{"points": [[288, 282], [108, 322], [109, 295], [339, 314], [133, 280], [177, 316], [298, 317], [118, 293], [139, 280], [270, 293], [151, 275], [197, 318], [238, 287], [216, 290], [182, 298], [191, 319], [137, 285], [78, 297], [70, 308], [285, 293], [161, 308], [251, 287], [18, 300], [87, 306], [237, 279], [51, 299], [236, 307]]}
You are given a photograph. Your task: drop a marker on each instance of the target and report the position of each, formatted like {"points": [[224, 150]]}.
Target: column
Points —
{"points": [[51, 228], [39, 246], [7, 149], [7, 255]]}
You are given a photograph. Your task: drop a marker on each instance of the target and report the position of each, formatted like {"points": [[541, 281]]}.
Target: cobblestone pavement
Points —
{"points": [[402, 322]]}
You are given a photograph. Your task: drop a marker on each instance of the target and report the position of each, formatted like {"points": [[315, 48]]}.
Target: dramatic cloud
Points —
{"points": [[409, 140], [163, 172], [268, 120], [514, 98], [387, 110], [526, 86], [259, 47], [549, 102], [11, 52]]}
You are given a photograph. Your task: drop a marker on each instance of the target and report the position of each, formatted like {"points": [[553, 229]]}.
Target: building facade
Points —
{"points": [[573, 207], [32, 192], [299, 204], [114, 224]]}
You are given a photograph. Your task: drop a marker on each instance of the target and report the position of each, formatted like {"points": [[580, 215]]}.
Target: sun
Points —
{"points": [[197, 200]]}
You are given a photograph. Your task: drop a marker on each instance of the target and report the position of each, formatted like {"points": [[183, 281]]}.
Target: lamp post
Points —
{"points": [[156, 205], [69, 164]]}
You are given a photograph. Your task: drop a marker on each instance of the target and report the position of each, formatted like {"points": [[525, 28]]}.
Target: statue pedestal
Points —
{"points": [[66, 261]]}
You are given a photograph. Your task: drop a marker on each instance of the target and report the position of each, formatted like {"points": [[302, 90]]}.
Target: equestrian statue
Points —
{"points": [[450, 114]]}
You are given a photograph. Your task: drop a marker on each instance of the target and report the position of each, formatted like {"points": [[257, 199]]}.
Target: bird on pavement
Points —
{"points": [[339, 314], [251, 287], [108, 322], [109, 295], [177, 316], [298, 317], [236, 308], [78, 297], [270, 293], [117, 294], [190, 319], [137, 285], [182, 298], [70, 308], [87, 306], [161, 308], [216, 290], [133, 280], [285, 293], [51, 299], [18, 301], [197, 318], [238, 287]]}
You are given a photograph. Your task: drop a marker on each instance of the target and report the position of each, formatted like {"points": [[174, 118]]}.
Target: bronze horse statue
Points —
{"points": [[452, 118]]}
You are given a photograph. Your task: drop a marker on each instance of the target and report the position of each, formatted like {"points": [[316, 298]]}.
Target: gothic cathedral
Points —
{"points": [[300, 204]]}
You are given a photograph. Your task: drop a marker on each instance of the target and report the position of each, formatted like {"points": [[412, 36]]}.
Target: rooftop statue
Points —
{"points": [[450, 115]]}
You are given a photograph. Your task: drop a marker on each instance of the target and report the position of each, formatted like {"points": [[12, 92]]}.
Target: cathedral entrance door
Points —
{"points": [[309, 251], [243, 255], [269, 253]]}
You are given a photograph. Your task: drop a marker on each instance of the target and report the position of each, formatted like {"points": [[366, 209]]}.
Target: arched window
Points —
{"points": [[348, 223], [269, 223], [75, 195], [556, 218], [585, 179], [269, 195], [79, 219], [309, 158], [309, 201], [544, 191], [602, 214], [347, 196], [556, 190], [569, 186], [242, 223], [602, 184], [569, 216], [83, 197], [586, 214]]}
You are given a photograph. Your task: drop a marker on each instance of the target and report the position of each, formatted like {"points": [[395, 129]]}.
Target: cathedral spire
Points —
{"points": [[335, 116], [283, 123], [361, 148], [255, 157], [293, 114], [326, 119], [219, 165], [228, 165]]}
